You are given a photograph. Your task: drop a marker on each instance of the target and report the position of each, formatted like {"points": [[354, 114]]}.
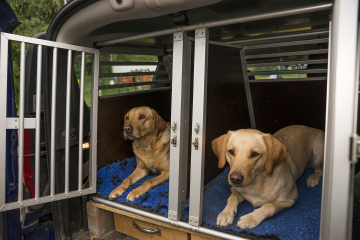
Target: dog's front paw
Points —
{"points": [[117, 192], [225, 219], [313, 179], [134, 194], [247, 221]]}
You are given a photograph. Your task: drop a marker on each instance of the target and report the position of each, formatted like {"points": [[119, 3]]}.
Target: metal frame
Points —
{"points": [[343, 86], [34, 123], [180, 107], [316, 8], [199, 126], [247, 89]]}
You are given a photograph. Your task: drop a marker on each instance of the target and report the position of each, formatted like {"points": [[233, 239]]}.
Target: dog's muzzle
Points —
{"points": [[128, 131], [236, 178]]}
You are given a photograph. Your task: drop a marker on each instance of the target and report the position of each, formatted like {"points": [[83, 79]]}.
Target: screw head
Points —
{"points": [[197, 34], [175, 37], [53, 199], [203, 33], [37, 201]]}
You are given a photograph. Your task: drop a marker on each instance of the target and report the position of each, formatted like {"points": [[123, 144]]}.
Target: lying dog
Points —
{"points": [[264, 169], [151, 146]]}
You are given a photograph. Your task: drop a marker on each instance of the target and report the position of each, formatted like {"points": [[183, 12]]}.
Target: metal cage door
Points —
{"points": [[21, 122]]}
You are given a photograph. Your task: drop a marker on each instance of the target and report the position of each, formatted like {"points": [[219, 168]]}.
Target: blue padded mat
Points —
{"points": [[301, 221], [111, 176]]}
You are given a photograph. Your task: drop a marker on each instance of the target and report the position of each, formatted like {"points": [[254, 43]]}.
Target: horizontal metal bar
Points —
{"points": [[131, 74], [133, 84], [318, 61], [133, 63], [159, 218], [291, 12], [289, 80], [223, 44], [284, 44], [37, 41], [304, 71], [46, 199], [284, 54], [13, 123], [136, 92], [279, 37]]}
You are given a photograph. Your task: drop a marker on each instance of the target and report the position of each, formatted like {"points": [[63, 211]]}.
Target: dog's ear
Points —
{"points": [[275, 152], [219, 147], [159, 123]]}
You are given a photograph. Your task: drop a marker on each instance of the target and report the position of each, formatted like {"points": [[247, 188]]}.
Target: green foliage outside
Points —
{"points": [[276, 68], [108, 69], [35, 16]]}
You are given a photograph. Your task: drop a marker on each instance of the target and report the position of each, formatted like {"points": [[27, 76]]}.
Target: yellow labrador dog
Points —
{"points": [[151, 146], [264, 169]]}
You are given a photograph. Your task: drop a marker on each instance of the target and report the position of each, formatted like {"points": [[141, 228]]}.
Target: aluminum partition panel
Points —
{"points": [[3, 98], [180, 105], [341, 101], [199, 126], [23, 123]]}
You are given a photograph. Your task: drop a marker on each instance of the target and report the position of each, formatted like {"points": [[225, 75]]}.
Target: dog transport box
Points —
{"points": [[206, 67]]}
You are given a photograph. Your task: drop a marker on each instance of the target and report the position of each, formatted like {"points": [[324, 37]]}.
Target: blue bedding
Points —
{"points": [[301, 221], [111, 176]]}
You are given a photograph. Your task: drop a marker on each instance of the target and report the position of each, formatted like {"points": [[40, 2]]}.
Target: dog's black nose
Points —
{"points": [[128, 129], [236, 178]]}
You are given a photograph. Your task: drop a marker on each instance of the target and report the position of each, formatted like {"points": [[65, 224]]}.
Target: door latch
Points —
{"points": [[196, 143], [174, 140], [354, 148], [197, 128], [173, 126]]}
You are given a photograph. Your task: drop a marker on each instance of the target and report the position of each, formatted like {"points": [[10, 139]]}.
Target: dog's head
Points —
{"points": [[248, 152], [142, 121]]}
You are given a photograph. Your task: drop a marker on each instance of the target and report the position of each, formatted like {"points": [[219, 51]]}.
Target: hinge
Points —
{"points": [[172, 215], [354, 148], [178, 36]]}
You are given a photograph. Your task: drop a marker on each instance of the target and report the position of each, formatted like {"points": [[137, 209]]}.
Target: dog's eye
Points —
{"points": [[127, 117], [231, 152], [254, 154], [141, 117]]}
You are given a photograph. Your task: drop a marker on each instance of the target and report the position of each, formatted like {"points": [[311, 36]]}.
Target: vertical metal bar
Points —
{"points": [[3, 103], [324, 221], [53, 122], [247, 89], [94, 120], [81, 120], [21, 122], [38, 118], [199, 124], [67, 123], [340, 123], [180, 106]]}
